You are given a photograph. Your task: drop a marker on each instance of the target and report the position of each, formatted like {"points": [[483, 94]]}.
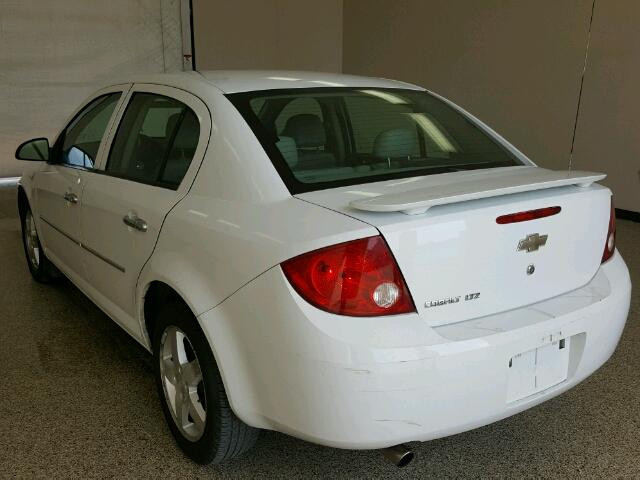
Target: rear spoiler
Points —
{"points": [[415, 202]]}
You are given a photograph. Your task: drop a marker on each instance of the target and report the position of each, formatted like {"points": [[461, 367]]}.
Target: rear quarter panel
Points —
{"points": [[237, 221], [209, 248]]}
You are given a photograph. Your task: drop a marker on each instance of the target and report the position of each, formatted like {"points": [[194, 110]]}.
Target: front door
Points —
{"points": [[59, 187], [151, 163]]}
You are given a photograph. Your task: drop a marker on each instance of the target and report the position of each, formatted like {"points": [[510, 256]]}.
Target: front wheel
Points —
{"points": [[194, 401], [40, 267]]}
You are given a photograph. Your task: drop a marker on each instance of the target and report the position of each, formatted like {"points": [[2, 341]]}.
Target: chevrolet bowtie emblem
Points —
{"points": [[532, 242]]}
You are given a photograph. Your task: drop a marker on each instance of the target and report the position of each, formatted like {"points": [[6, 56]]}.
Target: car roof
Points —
{"points": [[235, 81]]}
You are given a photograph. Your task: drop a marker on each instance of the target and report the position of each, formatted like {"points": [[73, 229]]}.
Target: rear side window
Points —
{"points": [[80, 141], [155, 142]]}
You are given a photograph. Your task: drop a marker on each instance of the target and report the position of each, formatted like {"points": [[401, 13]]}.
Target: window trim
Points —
{"points": [[157, 182], [241, 101], [166, 185]]}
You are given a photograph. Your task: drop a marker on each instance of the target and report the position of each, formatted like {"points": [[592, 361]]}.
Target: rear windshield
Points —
{"points": [[328, 137]]}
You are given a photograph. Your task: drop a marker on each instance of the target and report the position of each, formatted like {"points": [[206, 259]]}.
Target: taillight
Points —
{"points": [[358, 278], [610, 243]]}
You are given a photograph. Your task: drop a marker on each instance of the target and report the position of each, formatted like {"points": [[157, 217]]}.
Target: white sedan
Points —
{"points": [[353, 261]]}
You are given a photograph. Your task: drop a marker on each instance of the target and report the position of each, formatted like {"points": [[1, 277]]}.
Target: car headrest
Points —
{"points": [[188, 133], [289, 150], [306, 129], [395, 143], [171, 124]]}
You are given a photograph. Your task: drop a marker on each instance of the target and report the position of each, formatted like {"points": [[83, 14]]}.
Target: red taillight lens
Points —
{"points": [[528, 215], [610, 243], [358, 278]]}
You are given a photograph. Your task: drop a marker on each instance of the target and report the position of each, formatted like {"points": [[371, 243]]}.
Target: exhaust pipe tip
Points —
{"points": [[400, 455]]}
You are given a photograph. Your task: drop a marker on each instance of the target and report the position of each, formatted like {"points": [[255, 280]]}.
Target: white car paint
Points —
{"points": [[341, 381], [426, 246], [366, 383]]}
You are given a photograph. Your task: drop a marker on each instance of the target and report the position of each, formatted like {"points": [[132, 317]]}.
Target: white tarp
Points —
{"points": [[53, 54]]}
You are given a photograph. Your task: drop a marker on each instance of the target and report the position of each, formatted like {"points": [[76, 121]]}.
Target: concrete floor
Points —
{"points": [[77, 399]]}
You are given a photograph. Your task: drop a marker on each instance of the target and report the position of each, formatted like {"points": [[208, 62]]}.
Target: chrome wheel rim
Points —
{"points": [[182, 383], [31, 240]]}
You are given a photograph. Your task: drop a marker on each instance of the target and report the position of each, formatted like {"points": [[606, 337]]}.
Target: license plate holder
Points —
{"points": [[536, 370]]}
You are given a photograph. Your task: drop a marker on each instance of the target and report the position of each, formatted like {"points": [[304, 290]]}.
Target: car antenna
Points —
{"points": [[584, 69]]}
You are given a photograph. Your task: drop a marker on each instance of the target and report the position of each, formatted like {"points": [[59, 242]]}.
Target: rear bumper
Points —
{"points": [[365, 383]]}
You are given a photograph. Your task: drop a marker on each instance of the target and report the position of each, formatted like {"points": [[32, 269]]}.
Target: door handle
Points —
{"points": [[71, 197], [134, 221]]}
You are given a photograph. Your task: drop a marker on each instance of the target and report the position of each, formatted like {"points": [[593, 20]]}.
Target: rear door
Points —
{"points": [[59, 187], [153, 156]]}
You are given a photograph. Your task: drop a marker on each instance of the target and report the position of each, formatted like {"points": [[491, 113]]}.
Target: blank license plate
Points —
{"points": [[538, 369]]}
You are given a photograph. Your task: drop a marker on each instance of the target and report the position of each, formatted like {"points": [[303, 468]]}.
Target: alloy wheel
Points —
{"points": [[182, 383], [31, 239]]}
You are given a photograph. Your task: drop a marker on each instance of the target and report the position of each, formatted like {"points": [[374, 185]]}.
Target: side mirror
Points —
{"points": [[34, 150]]}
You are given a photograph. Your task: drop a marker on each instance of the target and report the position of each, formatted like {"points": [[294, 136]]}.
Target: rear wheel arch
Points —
{"points": [[236, 436], [158, 294]]}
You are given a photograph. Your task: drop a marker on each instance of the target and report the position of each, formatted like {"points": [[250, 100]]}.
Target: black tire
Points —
{"points": [[42, 270], [225, 436]]}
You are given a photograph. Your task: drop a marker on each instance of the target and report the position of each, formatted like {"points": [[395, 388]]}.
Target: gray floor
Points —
{"points": [[77, 399]]}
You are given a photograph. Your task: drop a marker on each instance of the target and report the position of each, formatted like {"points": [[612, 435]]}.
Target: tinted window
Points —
{"points": [[80, 141], [345, 136], [297, 106], [370, 118], [155, 142]]}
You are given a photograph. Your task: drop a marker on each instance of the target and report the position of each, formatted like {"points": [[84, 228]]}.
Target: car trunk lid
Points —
{"points": [[458, 261]]}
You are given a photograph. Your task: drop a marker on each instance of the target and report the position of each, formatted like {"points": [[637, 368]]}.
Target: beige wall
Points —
{"points": [[517, 66], [54, 54], [608, 136], [513, 63], [274, 34]]}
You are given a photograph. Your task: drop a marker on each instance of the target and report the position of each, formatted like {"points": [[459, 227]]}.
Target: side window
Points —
{"points": [[81, 139], [155, 142]]}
